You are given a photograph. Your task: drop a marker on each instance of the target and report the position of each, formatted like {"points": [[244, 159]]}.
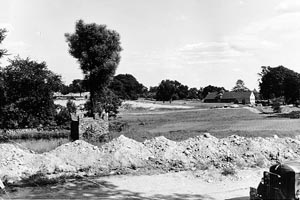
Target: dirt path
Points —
{"points": [[185, 185]]}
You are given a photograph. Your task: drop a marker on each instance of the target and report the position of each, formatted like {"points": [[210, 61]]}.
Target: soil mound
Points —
{"points": [[123, 152], [78, 156], [201, 152]]}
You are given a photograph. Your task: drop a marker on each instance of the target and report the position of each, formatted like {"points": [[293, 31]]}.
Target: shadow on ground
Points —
{"points": [[239, 198], [91, 190]]}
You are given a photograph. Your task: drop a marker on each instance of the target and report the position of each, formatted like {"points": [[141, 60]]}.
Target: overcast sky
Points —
{"points": [[197, 42]]}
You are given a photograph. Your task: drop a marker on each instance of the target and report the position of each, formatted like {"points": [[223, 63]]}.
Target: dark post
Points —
{"points": [[74, 127]]}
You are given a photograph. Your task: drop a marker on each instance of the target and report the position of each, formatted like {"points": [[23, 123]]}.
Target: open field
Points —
{"points": [[179, 121], [182, 124]]}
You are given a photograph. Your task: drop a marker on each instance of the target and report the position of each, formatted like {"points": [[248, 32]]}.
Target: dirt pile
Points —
{"points": [[123, 152], [201, 152]]}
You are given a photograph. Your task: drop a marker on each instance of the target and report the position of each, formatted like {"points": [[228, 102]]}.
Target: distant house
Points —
{"points": [[230, 97]]}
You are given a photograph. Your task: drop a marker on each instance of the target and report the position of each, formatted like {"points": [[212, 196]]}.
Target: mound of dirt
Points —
{"points": [[123, 152], [78, 155], [201, 152]]}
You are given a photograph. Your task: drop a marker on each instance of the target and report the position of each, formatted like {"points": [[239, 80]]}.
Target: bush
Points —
{"points": [[107, 101], [71, 106], [276, 106], [228, 171], [63, 118], [40, 179]]}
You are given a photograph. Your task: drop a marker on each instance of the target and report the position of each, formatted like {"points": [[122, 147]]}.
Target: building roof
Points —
{"points": [[211, 95], [229, 95]]}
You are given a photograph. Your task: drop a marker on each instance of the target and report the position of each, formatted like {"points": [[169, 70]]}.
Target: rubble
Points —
{"points": [[121, 154]]}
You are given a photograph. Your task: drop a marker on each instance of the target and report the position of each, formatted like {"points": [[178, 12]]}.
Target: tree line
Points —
{"points": [[126, 87], [27, 86]]}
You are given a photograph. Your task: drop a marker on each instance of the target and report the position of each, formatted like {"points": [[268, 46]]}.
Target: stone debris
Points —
{"points": [[123, 154]]}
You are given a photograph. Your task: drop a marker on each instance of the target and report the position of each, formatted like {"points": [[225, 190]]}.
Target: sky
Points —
{"points": [[196, 42]]}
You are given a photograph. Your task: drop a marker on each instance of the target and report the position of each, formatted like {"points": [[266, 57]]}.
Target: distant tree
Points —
{"points": [[152, 92], [169, 90], [166, 90], [240, 86], [27, 97], [182, 91], [211, 88], [200, 93], [77, 86], [279, 82], [127, 87], [97, 50], [2, 37], [193, 93], [64, 89]]}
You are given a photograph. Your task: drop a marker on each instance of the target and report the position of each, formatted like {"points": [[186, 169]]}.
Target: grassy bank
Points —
{"points": [[219, 122]]}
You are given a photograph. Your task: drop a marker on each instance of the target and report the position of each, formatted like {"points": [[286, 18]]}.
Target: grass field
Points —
{"points": [[183, 124], [141, 124]]}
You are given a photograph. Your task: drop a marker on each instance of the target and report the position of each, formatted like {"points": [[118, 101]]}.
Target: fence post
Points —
{"points": [[74, 127]]}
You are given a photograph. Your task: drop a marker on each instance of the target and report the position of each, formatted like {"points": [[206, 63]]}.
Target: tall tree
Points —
{"points": [[97, 50], [2, 37], [2, 52], [240, 86]]}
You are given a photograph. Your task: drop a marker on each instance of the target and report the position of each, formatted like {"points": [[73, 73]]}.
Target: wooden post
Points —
{"points": [[74, 127]]}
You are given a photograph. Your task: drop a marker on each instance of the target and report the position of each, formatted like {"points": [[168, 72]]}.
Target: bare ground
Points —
{"points": [[189, 185]]}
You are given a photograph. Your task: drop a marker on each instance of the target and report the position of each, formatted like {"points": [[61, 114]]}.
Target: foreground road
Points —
{"points": [[190, 185], [185, 185]]}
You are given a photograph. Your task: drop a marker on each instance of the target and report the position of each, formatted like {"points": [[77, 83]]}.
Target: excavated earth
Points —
{"points": [[124, 155]]}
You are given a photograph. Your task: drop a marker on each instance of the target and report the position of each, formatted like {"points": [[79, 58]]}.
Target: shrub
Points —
{"points": [[71, 106], [228, 171], [276, 106], [39, 179], [63, 117], [107, 101]]}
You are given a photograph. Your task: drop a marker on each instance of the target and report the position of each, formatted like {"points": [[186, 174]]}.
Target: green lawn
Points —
{"points": [[180, 125]]}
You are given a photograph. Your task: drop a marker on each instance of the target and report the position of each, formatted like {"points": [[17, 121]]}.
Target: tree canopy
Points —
{"points": [[127, 87], [27, 94], [97, 50], [240, 86], [279, 82], [169, 90], [211, 88]]}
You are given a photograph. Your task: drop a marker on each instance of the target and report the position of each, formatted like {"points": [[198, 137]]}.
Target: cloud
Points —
{"points": [[271, 34], [181, 17], [209, 52], [288, 6]]}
